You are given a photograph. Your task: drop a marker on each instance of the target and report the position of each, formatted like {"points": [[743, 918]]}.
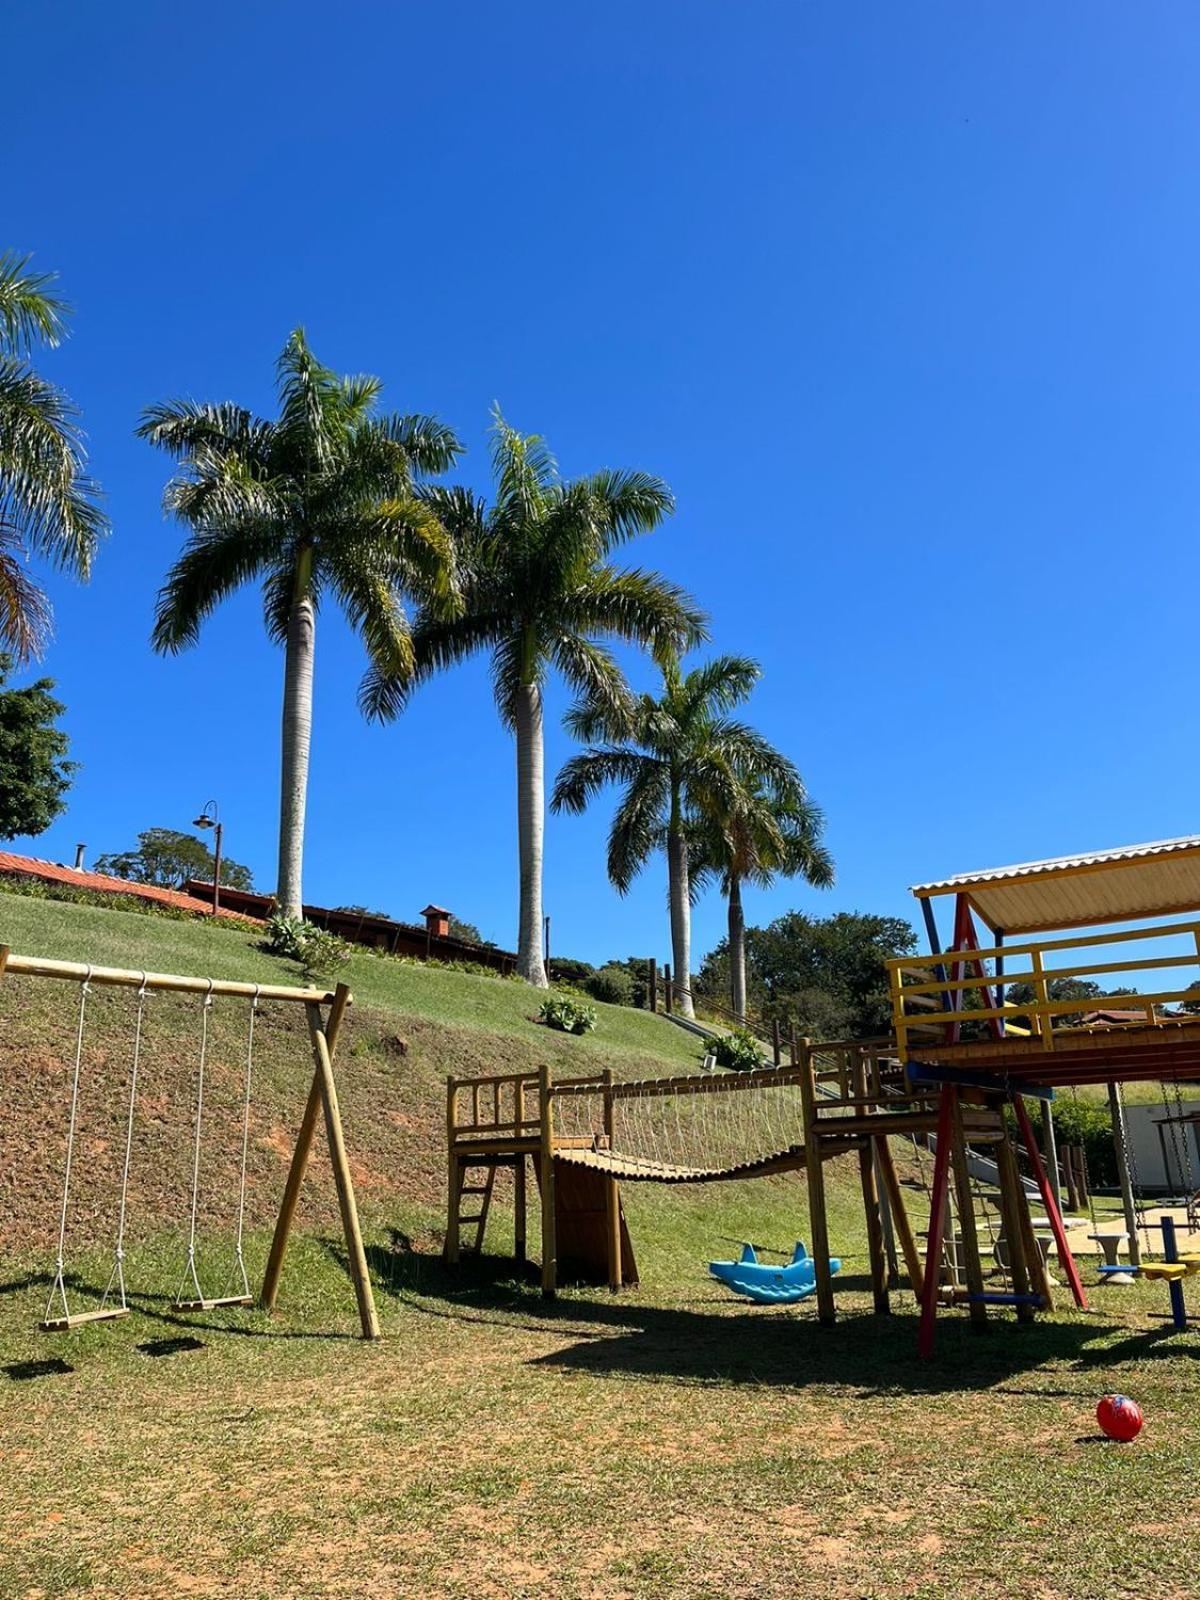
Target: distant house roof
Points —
{"points": [[101, 883], [1121, 885]]}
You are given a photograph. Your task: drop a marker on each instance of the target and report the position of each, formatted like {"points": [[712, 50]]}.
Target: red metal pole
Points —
{"points": [[1065, 1258], [937, 1220]]}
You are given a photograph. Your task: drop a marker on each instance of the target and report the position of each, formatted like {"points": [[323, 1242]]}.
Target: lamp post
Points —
{"points": [[208, 819]]}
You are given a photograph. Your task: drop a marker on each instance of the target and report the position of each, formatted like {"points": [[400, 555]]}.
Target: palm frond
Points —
{"points": [[719, 685], [431, 446], [591, 672], [639, 607], [524, 471], [25, 616], [45, 489], [638, 827], [30, 313], [214, 563], [628, 503], [586, 774]]}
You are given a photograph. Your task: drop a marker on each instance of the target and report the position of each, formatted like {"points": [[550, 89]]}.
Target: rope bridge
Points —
{"points": [[701, 1128]]}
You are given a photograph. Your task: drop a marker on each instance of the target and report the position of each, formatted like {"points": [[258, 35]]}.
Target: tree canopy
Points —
{"points": [[168, 858], [35, 774], [824, 975]]}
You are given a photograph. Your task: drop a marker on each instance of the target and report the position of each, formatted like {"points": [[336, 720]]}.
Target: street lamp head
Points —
{"points": [[203, 822]]}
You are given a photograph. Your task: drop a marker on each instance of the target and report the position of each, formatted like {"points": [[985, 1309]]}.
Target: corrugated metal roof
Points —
{"points": [[1135, 881]]}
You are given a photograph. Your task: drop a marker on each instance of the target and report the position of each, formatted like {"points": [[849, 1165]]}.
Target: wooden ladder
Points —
{"points": [[481, 1192]]}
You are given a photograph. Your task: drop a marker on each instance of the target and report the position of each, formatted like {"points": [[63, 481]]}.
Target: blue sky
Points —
{"points": [[901, 300]]}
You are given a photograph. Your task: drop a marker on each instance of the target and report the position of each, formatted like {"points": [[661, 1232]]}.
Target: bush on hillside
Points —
{"points": [[738, 1050], [566, 1015], [611, 985], [317, 950]]}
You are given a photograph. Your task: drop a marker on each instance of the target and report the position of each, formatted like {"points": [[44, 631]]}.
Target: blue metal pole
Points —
{"points": [[1171, 1253]]}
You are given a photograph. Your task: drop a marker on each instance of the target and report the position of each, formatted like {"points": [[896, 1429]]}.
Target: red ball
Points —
{"points": [[1119, 1417]]}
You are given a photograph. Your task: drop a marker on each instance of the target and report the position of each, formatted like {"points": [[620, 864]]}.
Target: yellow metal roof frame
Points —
{"points": [[1128, 884]]}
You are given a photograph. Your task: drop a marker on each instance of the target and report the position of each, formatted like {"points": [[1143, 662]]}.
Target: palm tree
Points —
{"points": [[541, 594], [319, 501], [676, 757], [756, 831], [48, 503]]}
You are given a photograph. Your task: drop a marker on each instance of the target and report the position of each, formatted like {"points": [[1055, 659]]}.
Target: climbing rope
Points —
{"points": [[117, 1277], [189, 1270], [59, 1288], [239, 1258]]}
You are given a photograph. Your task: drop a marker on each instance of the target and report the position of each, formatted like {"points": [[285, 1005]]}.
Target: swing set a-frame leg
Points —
{"points": [[322, 1096]]}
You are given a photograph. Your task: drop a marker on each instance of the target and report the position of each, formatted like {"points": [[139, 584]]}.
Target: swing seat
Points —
{"points": [[213, 1304], [63, 1324], [1169, 1271]]}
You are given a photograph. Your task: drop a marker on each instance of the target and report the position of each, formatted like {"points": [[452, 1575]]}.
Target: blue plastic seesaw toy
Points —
{"points": [[769, 1285]]}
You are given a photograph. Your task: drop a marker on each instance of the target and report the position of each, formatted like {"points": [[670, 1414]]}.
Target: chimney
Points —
{"points": [[79, 849], [437, 922]]}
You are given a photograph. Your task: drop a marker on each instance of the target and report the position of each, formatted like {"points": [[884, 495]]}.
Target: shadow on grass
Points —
{"points": [[26, 1371], [719, 1342]]}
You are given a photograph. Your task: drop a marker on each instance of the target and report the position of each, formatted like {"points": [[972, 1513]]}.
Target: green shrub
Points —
{"points": [[739, 1050], [1081, 1122], [565, 1015], [611, 985], [564, 969], [317, 950]]}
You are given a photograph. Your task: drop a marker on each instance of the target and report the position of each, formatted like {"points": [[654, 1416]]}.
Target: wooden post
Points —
{"points": [[300, 1155], [520, 1196], [1069, 1172], [870, 1194], [776, 1044], [1082, 1177], [886, 1222], [612, 1192], [1121, 1146], [549, 1220], [454, 1177], [668, 996], [972, 1265], [652, 984], [356, 1255], [900, 1218], [1014, 1233], [818, 1219]]}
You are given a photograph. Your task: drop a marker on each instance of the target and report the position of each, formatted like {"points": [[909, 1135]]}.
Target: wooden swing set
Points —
{"points": [[325, 1012]]}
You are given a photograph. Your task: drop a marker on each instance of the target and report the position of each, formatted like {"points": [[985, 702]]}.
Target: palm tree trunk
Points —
{"points": [[297, 733], [737, 948], [531, 816], [680, 900]]}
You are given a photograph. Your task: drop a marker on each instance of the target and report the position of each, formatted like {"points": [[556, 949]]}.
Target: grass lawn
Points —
{"points": [[664, 1442]]}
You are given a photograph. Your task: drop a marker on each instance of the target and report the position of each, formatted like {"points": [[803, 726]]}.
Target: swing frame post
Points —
{"points": [[322, 1096], [818, 1218]]}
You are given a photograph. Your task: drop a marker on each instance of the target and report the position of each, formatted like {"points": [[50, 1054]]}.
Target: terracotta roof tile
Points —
{"points": [[101, 883]]}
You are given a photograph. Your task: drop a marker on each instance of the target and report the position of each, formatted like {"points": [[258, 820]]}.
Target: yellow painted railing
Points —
{"points": [[930, 994]]}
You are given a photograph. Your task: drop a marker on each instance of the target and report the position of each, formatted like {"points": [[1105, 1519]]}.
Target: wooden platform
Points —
{"points": [[1169, 1050]]}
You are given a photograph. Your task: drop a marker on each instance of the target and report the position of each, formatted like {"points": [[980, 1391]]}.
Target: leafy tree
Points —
{"points": [[755, 830], [49, 506], [674, 757], [319, 501], [541, 594], [824, 975], [468, 932], [34, 772], [362, 911], [168, 858]]}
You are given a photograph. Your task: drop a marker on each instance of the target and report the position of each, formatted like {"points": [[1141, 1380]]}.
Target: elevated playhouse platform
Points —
{"points": [[999, 1016]]}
